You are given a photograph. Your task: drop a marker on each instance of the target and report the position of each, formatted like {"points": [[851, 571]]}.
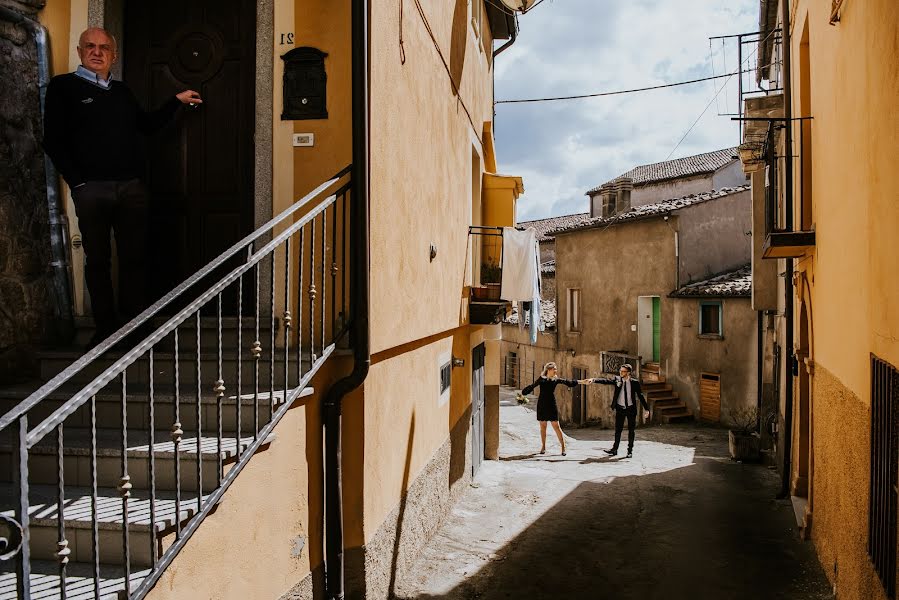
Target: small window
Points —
{"points": [[574, 310], [446, 376], [710, 319]]}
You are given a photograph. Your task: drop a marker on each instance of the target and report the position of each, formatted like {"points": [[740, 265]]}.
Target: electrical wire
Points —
{"points": [[619, 92]]}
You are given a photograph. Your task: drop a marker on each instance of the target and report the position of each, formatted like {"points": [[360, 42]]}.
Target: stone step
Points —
{"points": [[79, 581], [663, 397], [109, 407], [42, 462], [680, 416], [145, 536], [53, 362], [671, 407], [656, 386]]}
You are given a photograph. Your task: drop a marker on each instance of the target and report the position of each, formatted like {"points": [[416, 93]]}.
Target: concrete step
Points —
{"points": [[671, 407], [79, 581], [42, 462], [109, 407], [145, 536], [656, 386], [662, 405], [663, 397], [53, 362], [680, 416]]}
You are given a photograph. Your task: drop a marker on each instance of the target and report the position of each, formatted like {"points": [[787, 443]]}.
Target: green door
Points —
{"points": [[656, 329]]}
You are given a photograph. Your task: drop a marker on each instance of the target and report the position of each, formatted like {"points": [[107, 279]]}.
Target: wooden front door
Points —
{"points": [[710, 397], [200, 168], [579, 399]]}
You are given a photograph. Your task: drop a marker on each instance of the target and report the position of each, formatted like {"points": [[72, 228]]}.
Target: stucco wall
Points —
{"points": [[666, 190], [733, 356], [613, 267], [764, 271], [730, 175], [713, 237]]}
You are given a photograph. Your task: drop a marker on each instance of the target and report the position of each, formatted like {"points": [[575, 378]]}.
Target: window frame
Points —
{"points": [[701, 329], [575, 323]]}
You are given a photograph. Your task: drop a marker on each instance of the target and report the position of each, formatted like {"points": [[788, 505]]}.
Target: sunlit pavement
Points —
{"points": [[679, 520]]}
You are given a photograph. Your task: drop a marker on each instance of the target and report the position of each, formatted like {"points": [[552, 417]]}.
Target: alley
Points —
{"points": [[679, 520]]}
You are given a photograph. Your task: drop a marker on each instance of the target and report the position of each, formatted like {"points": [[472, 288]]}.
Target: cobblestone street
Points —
{"points": [[679, 520]]}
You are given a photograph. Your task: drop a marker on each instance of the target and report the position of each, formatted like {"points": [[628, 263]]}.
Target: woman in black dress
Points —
{"points": [[547, 411]]}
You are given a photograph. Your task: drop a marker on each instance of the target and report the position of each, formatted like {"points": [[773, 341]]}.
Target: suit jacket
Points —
{"points": [[636, 390]]}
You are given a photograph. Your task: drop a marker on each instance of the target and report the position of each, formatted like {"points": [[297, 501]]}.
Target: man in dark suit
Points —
{"points": [[626, 389]]}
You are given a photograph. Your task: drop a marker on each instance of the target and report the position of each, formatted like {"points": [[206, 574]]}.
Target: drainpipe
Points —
{"points": [[60, 286], [788, 281], [359, 304], [513, 35], [760, 357]]}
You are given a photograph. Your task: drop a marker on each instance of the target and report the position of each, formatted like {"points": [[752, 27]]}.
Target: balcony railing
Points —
{"points": [[485, 305], [118, 459], [612, 361]]}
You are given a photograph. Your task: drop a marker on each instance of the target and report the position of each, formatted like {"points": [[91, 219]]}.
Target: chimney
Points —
{"points": [[623, 186]]}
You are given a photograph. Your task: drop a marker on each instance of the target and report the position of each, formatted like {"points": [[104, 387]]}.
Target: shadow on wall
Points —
{"points": [[458, 43], [399, 523], [710, 529], [459, 447]]}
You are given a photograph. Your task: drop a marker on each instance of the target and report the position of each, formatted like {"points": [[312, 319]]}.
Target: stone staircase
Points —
{"points": [[666, 404], [167, 485]]}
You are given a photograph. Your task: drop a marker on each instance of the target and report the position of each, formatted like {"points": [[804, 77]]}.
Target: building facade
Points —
{"points": [[822, 273], [414, 432]]}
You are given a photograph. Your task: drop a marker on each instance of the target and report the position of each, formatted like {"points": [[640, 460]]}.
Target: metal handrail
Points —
{"points": [[321, 237], [51, 386]]}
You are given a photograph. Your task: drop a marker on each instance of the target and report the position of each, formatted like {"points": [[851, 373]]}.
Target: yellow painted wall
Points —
{"points": [[56, 17], [848, 280]]}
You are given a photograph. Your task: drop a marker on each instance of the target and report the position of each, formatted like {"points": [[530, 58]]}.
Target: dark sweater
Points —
{"points": [[96, 134]]}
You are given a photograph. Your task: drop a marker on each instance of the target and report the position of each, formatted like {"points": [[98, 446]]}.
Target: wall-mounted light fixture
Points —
{"points": [[458, 362]]}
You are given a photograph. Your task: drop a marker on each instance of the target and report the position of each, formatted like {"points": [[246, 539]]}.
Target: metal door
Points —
{"points": [[477, 407]]}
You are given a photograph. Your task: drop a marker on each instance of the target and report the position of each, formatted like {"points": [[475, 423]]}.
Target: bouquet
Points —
{"points": [[521, 398]]}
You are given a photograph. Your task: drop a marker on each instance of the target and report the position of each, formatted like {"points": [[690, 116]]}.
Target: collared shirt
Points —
{"points": [[625, 399], [90, 76]]}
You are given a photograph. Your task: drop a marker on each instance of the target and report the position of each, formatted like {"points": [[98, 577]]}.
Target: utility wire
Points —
{"points": [[618, 92]]}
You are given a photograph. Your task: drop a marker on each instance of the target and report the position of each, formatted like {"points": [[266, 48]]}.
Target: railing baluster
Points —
{"points": [[23, 558], [288, 319], [151, 468], [199, 425], [125, 486], [312, 294], [324, 301], [344, 242], [219, 390], [177, 434], [95, 519], [302, 251], [271, 352], [257, 351], [239, 355], [334, 272], [62, 544]]}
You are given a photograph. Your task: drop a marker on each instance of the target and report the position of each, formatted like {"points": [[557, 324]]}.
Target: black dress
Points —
{"points": [[546, 401]]}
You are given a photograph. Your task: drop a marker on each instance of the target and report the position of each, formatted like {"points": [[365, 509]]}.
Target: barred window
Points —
{"points": [[884, 465]]}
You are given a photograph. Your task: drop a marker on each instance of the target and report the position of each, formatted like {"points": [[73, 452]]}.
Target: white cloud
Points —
{"points": [[568, 47]]}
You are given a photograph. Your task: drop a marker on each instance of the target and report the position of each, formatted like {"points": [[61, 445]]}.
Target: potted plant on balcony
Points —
{"points": [[491, 279], [743, 438]]}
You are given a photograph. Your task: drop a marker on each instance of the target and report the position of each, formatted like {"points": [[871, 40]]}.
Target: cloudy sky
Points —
{"points": [[568, 47]]}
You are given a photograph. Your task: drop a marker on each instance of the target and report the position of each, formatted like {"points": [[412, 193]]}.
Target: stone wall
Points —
{"points": [[25, 308]]}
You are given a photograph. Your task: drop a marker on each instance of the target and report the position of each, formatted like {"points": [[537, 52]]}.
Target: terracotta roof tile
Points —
{"points": [[727, 285], [649, 210], [543, 226], [547, 309], [679, 167]]}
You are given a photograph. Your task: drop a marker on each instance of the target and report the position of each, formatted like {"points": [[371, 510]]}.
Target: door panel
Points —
{"points": [[579, 399], [656, 329], [710, 397], [200, 168]]}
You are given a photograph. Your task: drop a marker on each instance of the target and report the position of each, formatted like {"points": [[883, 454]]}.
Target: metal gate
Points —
{"points": [[477, 407]]}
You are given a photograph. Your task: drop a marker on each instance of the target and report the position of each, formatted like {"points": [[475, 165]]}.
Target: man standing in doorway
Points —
{"points": [[93, 133], [626, 389]]}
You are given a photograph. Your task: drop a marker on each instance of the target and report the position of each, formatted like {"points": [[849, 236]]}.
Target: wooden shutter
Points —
{"points": [[710, 397]]}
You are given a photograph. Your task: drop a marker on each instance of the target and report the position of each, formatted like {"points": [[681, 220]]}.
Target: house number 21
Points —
{"points": [[287, 39]]}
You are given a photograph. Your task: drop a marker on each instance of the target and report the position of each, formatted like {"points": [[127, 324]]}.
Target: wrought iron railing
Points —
{"points": [[230, 350], [611, 363]]}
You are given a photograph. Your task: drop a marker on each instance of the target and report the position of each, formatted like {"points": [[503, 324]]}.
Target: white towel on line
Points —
{"points": [[520, 265]]}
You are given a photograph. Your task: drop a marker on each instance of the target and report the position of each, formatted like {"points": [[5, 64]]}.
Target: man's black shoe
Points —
{"points": [[611, 452], [630, 455]]}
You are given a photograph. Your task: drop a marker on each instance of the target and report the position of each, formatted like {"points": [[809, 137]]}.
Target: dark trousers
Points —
{"points": [[631, 415], [120, 208]]}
